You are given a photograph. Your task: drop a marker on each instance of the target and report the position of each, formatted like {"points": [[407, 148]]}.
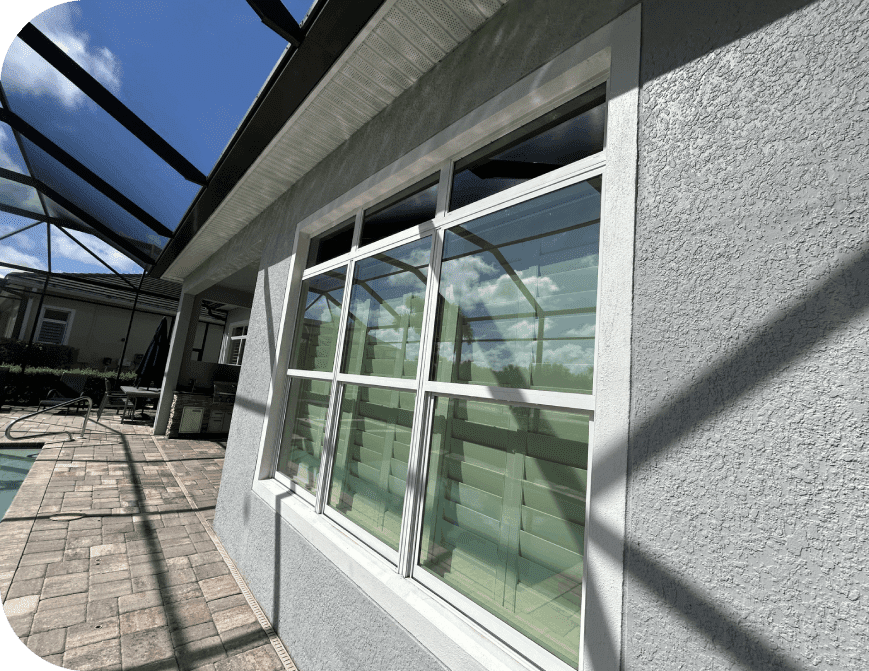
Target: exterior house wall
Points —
{"points": [[746, 498], [98, 331]]}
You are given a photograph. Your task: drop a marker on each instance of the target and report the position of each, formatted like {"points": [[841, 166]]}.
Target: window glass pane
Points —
{"points": [[89, 199], [368, 479], [386, 305], [19, 195], [404, 210], [518, 294], [319, 314], [331, 244], [504, 518], [565, 135], [304, 427]]}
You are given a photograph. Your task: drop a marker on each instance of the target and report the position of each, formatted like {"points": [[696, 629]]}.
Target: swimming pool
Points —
{"points": [[15, 463]]}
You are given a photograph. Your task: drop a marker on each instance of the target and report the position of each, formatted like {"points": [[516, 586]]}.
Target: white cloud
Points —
{"points": [[62, 246], [10, 254], [27, 73], [6, 156]]}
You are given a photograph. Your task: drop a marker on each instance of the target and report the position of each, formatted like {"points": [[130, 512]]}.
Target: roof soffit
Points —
{"points": [[403, 40]]}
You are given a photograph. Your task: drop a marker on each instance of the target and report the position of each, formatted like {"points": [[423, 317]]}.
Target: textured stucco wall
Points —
{"points": [[747, 496], [746, 505]]}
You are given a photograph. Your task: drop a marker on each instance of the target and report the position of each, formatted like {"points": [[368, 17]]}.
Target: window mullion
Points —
{"points": [[335, 397], [415, 485]]}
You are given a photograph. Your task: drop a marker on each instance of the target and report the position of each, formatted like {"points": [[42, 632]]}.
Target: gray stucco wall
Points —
{"points": [[747, 499], [746, 505]]}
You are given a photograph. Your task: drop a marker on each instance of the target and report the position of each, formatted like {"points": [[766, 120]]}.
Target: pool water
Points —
{"points": [[15, 462]]}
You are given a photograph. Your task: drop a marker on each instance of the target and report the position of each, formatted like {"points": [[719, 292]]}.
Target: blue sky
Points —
{"points": [[189, 68]]}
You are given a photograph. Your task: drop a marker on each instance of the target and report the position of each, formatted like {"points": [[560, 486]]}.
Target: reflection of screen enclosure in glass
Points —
{"points": [[317, 329], [505, 514], [474, 419], [386, 305], [305, 424], [518, 295], [371, 454]]}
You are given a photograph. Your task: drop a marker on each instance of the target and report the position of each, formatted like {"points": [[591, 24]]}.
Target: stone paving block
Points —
{"points": [[112, 576], [92, 632], [57, 618], [145, 583], [194, 633], [103, 655], [62, 585], [140, 620], [149, 568], [20, 588], [66, 567], [262, 658], [216, 588], [203, 546], [100, 609], [139, 600], [178, 577], [31, 572], [245, 637], [57, 659], [109, 564], [170, 532], [64, 601], [227, 602], [21, 606], [142, 649], [44, 546], [21, 624], [75, 553], [180, 549], [83, 541], [204, 651], [212, 570], [187, 613], [205, 558], [48, 534], [48, 642], [230, 618], [117, 588], [41, 558], [182, 592]]}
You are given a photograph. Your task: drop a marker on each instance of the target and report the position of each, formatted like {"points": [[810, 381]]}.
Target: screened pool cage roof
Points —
{"points": [[94, 177]]}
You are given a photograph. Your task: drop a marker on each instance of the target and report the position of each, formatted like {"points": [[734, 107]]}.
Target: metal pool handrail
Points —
{"points": [[54, 407]]}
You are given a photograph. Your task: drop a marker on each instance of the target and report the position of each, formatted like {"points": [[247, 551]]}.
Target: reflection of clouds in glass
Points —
{"points": [[322, 311], [26, 72]]}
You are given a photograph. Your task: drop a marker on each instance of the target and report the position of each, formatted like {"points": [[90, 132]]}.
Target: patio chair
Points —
{"points": [[112, 399], [71, 388]]}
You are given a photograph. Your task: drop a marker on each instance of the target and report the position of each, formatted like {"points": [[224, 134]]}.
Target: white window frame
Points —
{"points": [[463, 632], [71, 316], [226, 347]]}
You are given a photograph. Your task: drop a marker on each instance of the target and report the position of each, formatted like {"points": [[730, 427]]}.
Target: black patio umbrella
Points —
{"points": [[153, 364]]}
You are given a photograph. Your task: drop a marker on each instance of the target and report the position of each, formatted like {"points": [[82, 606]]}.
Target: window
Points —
{"points": [[441, 401], [233, 347], [54, 326], [376, 352]]}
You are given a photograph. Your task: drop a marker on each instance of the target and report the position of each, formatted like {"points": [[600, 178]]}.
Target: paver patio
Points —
{"points": [[108, 559]]}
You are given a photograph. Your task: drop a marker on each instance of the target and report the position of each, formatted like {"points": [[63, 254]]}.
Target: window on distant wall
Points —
{"points": [[54, 326], [451, 359], [233, 351]]}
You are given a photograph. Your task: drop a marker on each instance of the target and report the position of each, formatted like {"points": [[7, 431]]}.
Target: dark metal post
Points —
{"points": [[129, 327]]}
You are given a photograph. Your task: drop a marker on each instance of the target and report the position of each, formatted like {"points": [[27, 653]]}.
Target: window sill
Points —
{"points": [[457, 641]]}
